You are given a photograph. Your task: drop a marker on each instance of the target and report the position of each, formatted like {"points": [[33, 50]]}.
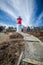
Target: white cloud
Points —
{"points": [[39, 20], [7, 25], [23, 8], [3, 24]]}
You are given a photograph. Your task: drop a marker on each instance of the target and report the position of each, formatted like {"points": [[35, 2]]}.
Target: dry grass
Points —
{"points": [[10, 49], [3, 37], [16, 36]]}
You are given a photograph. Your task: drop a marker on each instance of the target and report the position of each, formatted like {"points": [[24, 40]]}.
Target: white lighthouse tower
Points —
{"points": [[19, 24]]}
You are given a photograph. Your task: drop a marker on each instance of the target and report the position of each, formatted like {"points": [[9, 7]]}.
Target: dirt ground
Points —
{"points": [[10, 49]]}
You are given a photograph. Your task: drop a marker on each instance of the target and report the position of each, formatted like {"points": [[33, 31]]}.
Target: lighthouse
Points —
{"points": [[19, 24]]}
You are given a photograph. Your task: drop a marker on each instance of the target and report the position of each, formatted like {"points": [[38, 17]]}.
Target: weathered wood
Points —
{"points": [[24, 40], [20, 57], [27, 60]]}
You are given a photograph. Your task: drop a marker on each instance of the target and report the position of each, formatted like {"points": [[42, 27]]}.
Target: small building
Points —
{"points": [[26, 29]]}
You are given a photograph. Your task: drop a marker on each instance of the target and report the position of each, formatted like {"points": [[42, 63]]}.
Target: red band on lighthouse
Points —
{"points": [[19, 20]]}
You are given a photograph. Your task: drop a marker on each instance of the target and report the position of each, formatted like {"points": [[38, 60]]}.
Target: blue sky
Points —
{"points": [[31, 11], [6, 19]]}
